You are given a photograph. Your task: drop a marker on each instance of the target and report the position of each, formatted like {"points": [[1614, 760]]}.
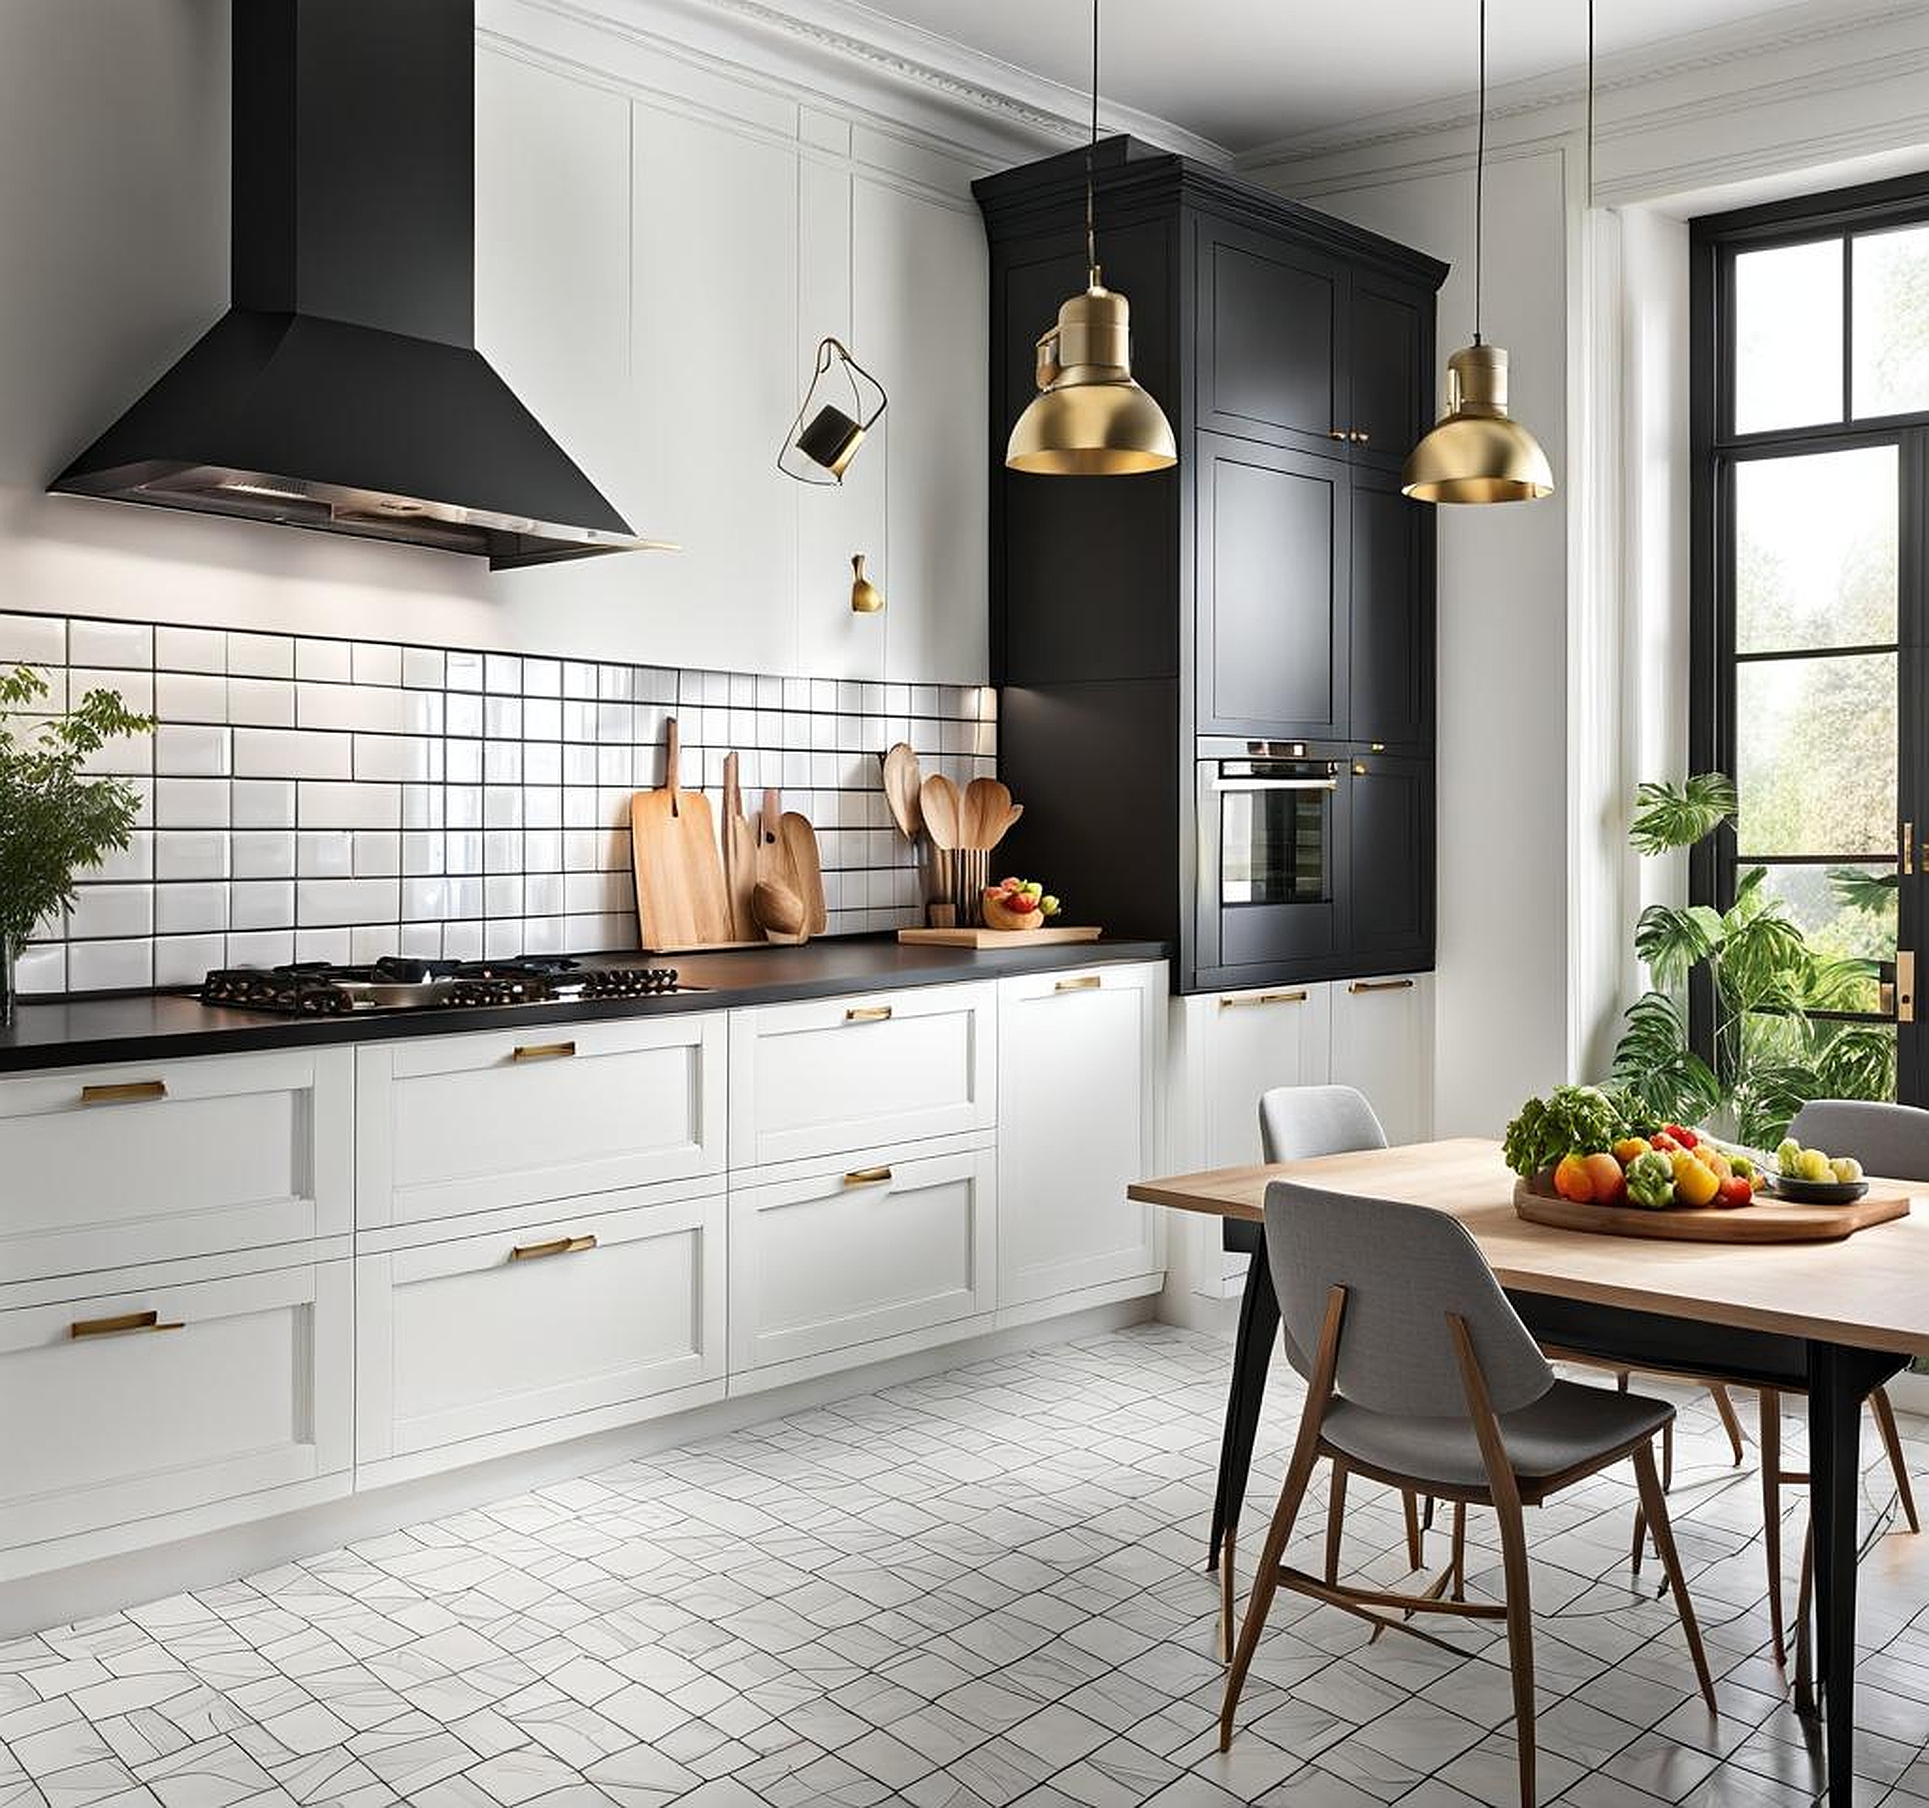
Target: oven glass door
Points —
{"points": [[1275, 840]]}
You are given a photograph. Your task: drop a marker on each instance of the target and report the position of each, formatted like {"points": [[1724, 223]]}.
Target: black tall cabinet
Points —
{"points": [[1269, 599]]}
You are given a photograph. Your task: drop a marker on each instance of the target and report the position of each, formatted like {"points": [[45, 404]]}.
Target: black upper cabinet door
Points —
{"points": [[1271, 339], [1391, 664], [1273, 550], [1387, 352], [1389, 900]]}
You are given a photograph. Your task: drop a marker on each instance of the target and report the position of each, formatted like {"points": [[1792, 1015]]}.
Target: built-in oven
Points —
{"points": [[1272, 848]]}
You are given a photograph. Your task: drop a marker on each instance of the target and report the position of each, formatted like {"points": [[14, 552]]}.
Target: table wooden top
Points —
{"points": [[1870, 1291]]}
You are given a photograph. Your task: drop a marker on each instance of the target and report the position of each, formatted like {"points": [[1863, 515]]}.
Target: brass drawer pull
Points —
{"points": [[1234, 1004], [1381, 985], [123, 1092], [868, 1013], [1359, 436], [563, 1246], [1085, 982], [867, 1176], [544, 1051], [1338, 433], [1359, 768], [113, 1327]]}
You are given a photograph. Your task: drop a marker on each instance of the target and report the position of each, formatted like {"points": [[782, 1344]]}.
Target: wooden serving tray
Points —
{"points": [[1768, 1220], [997, 938]]}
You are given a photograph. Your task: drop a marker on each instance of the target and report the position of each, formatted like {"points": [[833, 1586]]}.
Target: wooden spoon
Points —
{"points": [[939, 801], [987, 803], [901, 789], [780, 912]]}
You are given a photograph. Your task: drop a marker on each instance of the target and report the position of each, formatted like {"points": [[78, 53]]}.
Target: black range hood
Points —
{"points": [[342, 390]]}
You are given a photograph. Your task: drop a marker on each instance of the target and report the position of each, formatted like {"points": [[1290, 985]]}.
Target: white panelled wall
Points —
{"points": [[664, 231]]}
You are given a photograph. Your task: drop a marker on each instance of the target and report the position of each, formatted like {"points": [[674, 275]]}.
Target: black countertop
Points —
{"points": [[153, 1025]]}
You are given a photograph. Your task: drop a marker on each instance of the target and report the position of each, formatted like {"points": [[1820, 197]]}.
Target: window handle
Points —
{"points": [[1908, 849]]}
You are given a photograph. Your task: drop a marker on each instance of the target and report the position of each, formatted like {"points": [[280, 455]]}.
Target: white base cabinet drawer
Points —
{"points": [[843, 1259], [561, 1325], [458, 1124], [154, 1161], [833, 1075], [1079, 1062], [132, 1406]]}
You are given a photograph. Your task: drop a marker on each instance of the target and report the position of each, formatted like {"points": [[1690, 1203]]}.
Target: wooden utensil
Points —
{"points": [[987, 804], [800, 847], [680, 896], [739, 856], [780, 913], [773, 858], [938, 800], [901, 782]]}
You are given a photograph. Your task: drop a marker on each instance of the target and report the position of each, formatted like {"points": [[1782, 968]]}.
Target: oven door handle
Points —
{"points": [[1275, 784]]}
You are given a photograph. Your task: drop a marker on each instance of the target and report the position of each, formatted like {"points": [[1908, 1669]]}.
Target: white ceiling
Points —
{"points": [[1248, 73]]}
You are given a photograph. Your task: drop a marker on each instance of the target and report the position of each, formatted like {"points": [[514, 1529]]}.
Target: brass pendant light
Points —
{"points": [[1090, 419], [1477, 452]]}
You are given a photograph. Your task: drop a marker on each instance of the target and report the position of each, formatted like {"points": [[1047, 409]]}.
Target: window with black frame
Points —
{"points": [[1811, 556]]}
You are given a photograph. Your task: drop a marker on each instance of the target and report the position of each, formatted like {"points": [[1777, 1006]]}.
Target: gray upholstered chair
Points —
{"points": [[1420, 1375]]}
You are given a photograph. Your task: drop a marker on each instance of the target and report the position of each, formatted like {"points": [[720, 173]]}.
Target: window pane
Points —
{"points": [[1848, 913], [1788, 336], [1892, 322], [1815, 755], [1815, 551]]}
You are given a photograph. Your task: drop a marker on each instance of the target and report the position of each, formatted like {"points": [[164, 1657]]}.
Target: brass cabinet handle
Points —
{"points": [[868, 1013], [1377, 747], [1085, 982], [1234, 1004], [123, 1092], [867, 1176], [1359, 436], [113, 1327], [1381, 985], [544, 1051], [1359, 768], [1905, 985], [563, 1246], [1338, 433], [1908, 849]]}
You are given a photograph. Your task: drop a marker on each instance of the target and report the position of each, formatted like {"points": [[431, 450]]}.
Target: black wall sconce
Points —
{"points": [[844, 402]]}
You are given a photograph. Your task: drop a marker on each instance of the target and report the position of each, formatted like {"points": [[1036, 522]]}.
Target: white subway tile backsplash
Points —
{"points": [[321, 799]]}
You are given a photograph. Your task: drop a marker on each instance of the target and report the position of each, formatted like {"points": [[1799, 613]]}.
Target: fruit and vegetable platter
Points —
{"points": [[1590, 1158], [1012, 911]]}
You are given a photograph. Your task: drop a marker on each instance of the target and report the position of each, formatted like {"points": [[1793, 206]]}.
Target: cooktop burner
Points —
{"points": [[319, 989]]}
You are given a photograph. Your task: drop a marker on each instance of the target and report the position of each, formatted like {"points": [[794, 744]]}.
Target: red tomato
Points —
{"points": [[1686, 1138], [1666, 1143], [1734, 1191]]}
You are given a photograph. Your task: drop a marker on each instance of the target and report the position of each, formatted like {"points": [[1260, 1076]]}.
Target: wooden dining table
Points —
{"points": [[1832, 1320]]}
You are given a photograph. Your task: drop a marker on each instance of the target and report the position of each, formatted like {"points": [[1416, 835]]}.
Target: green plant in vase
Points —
{"points": [[55, 820], [1771, 1055]]}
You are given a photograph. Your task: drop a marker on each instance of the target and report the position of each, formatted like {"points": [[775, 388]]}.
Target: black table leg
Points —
{"points": [[1840, 1380], [1252, 1353]]}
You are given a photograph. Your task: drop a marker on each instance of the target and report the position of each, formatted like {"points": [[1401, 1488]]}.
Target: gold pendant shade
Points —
{"points": [[1090, 419], [1477, 452]]}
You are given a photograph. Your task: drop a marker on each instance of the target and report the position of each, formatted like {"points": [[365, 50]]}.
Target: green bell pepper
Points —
{"points": [[1651, 1181]]}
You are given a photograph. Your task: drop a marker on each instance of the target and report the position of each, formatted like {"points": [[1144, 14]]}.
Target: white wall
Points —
{"points": [[665, 228]]}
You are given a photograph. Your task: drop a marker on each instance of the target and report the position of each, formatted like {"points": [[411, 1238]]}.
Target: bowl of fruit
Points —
{"points": [[1017, 904], [1813, 1177]]}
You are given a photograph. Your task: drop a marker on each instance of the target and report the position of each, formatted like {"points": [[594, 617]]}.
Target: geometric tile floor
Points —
{"points": [[984, 1587]]}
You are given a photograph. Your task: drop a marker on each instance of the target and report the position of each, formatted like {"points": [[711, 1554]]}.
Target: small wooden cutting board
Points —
{"points": [[739, 857], [1768, 1220], [999, 938], [680, 896]]}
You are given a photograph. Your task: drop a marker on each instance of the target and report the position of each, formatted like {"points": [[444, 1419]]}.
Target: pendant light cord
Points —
{"points": [[1590, 103], [1091, 233], [1480, 169]]}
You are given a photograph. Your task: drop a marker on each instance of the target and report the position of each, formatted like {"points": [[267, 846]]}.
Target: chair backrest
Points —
{"points": [[1890, 1140], [1404, 1268], [1298, 1123]]}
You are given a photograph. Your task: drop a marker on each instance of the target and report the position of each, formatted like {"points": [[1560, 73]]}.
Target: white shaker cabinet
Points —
{"points": [[1080, 1056], [1383, 1045]]}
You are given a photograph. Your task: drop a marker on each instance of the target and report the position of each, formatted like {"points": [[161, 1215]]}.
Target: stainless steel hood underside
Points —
{"points": [[343, 390]]}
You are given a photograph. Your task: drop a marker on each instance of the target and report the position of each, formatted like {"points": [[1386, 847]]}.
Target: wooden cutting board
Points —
{"points": [[999, 938], [680, 896], [739, 857], [1768, 1220], [800, 848]]}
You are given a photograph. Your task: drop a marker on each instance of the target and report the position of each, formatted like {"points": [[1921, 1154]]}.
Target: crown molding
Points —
{"points": [[1834, 25]]}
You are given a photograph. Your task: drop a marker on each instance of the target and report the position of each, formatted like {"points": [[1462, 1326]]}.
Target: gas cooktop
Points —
{"points": [[320, 989]]}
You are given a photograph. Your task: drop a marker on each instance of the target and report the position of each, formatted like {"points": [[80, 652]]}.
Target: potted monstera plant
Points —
{"points": [[1772, 1054], [55, 820]]}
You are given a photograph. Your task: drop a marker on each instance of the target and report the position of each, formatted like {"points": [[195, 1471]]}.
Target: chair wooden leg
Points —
{"points": [[1730, 1422], [1227, 1595], [1335, 1521], [1667, 1457], [1416, 1551], [1457, 1566], [1770, 1438], [1885, 1423], [1640, 1551], [1654, 1498], [1520, 1636], [1265, 1585]]}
